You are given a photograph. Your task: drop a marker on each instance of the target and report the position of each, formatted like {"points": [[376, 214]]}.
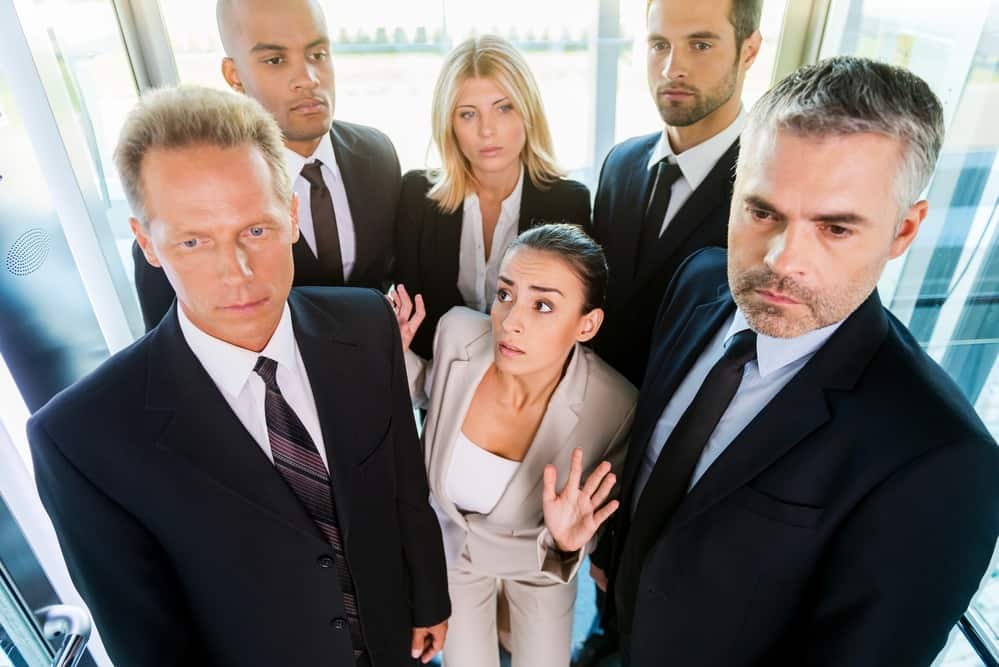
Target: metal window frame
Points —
{"points": [[33, 73]]}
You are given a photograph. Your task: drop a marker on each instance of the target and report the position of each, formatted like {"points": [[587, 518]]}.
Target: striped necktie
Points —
{"points": [[297, 459]]}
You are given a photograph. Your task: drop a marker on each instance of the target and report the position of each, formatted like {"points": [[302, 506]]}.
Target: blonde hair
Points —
{"points": [[185, 116], [494, 58]]}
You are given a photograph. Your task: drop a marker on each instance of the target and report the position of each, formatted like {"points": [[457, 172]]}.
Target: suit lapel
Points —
{"points": [[206, 433], [670, 365], [458, 388], [351, 429], [797, 411], [530, 200], [308, 270], [356, 170], [442, 237], [713, 192], [551, 444], [626, 223]]}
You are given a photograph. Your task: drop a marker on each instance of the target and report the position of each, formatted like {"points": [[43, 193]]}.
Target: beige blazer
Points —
{"points": [[591, 408]]}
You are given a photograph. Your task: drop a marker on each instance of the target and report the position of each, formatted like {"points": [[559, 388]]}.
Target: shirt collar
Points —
{"points": [[509, 206], [697, 162], [772, 354], [324, 153], [230, 366]]}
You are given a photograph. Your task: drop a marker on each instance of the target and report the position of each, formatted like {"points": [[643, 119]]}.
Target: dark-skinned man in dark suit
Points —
{"points": [[346, 176]]}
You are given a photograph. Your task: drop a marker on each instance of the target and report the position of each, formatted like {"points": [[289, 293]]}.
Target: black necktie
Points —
{"points": [[665, 175], [324, 223], [670, 478], [297, 459]]}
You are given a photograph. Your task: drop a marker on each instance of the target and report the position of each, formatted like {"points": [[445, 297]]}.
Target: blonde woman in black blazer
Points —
{"points": [[498, 178]]}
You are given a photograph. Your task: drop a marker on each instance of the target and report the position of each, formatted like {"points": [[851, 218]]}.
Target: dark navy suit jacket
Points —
{"points": [[184, 540], [849, 523], [635, 291]]}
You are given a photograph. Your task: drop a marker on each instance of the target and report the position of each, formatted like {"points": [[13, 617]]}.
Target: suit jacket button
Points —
{"points": [[325, 561], [338, 624]]}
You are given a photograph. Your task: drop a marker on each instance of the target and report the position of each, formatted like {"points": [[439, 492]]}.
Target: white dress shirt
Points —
{"points": [[777, 361], [477, 276], [231, 369], [334, 183], [695, 163]]}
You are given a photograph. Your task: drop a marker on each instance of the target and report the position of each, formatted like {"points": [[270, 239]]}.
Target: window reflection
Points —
{"points": [[947, 287]]}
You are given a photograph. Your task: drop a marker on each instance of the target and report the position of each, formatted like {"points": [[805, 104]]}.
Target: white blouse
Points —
{"points": [[477, 274], [476, 479]]}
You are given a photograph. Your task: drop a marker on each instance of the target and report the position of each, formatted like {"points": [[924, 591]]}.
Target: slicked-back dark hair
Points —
{"points": [[583, 255]]}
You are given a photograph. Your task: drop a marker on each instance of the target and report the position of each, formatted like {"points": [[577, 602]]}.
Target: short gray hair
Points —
{"points": [[172, 118], [848, 95]]}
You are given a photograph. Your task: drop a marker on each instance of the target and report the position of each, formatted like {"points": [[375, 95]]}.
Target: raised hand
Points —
{"points": [[407, 316], [574, 515]]}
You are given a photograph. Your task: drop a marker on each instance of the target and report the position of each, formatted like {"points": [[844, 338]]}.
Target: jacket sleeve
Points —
{"points": [[420, 532], [579, 212], [116, 564], [903, 568]]}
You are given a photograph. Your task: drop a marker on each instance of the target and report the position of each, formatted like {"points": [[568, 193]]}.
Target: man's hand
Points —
{"points": [[428, 642], [599, 577], [573, 516], [407, 314]]}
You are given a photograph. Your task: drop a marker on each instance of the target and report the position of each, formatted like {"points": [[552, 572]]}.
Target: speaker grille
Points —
{"points": [[28, 252]]}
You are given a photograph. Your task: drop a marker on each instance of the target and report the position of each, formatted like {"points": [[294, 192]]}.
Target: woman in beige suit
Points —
{"points": [[516, 406]]}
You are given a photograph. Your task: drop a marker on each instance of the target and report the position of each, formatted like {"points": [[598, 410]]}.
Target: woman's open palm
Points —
{"points": [[574, 515]]}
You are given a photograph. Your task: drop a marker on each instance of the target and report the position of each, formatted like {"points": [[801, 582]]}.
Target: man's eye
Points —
{"points": [[839, 231], [320, 55], [659, 46], [190, 243], [760, 214], [701, 46], [256, 231], [275, 60]]}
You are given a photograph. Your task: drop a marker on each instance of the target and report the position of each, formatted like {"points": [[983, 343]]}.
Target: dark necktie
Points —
{"points": [[298, 461], [324, 223], [666, 174], [670, 478]]}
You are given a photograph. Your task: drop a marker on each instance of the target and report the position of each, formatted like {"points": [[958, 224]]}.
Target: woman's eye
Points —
{"points": [[466, 115], [543, 307], [506, 108], [502, 295]]}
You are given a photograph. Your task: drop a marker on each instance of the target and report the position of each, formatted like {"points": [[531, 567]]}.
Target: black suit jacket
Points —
{"points": [[186, 543], [370, 169], [634, 292], [848, 524], [428, 241]]}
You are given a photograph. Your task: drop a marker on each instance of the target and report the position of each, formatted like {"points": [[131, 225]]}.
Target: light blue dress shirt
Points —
{"points": [[777, 361]]}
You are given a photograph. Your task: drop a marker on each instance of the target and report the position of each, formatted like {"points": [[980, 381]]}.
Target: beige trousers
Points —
{"points": [[540, 621]]}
